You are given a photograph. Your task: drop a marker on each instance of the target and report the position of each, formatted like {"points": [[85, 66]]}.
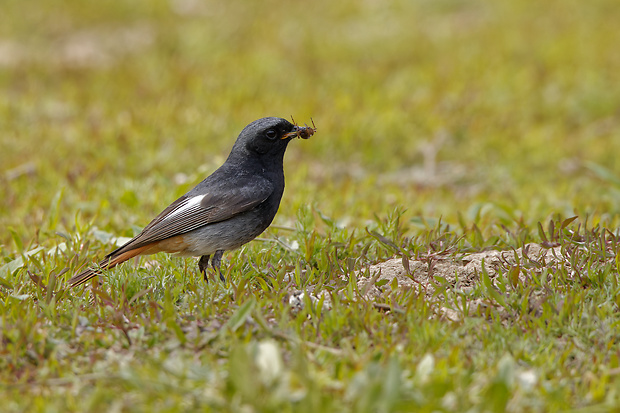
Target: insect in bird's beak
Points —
{"points": [[303, 132]]}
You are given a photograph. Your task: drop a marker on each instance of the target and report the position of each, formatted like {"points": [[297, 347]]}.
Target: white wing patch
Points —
{"points": [[190, 205]]}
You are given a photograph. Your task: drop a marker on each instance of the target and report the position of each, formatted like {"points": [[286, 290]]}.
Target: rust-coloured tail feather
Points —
{"points": [[108, 262]]}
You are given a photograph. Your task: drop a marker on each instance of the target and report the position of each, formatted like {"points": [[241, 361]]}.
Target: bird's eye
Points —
{"points": [[271, 134]]}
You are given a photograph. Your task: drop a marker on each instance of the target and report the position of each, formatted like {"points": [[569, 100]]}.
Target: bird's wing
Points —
{"points": [[198, 208]]}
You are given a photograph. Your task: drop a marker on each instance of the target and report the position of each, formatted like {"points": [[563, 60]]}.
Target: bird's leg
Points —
{"points": [[203, 265], [217, 262]]}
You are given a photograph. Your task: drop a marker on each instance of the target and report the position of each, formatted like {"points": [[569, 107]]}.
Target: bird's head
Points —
{"points": [[266, 136]]}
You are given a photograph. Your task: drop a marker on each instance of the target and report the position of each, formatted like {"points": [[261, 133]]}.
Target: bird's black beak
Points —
{"points": [[292, 133], [303, 132]]}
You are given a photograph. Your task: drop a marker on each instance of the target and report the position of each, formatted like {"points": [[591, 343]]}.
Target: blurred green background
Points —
{"points": [[499, 111]]}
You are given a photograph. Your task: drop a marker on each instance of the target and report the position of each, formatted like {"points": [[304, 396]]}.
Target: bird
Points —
{"points": [[229, 208]]}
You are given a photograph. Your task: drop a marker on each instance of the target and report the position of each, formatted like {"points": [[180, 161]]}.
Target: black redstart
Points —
{"points": [[228, 209]]}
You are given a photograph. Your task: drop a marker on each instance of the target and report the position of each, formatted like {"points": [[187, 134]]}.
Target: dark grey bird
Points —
{"points": [[229, 208]]}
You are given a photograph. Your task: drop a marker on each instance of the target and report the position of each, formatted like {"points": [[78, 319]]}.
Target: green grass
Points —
{"points": [[444, 128]]}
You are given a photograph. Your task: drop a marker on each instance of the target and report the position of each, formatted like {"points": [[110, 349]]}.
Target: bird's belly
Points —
{"points": [[225, 235]]}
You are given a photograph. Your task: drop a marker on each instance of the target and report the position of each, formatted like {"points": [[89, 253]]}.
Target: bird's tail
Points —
{"points": [[110, 261]]}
